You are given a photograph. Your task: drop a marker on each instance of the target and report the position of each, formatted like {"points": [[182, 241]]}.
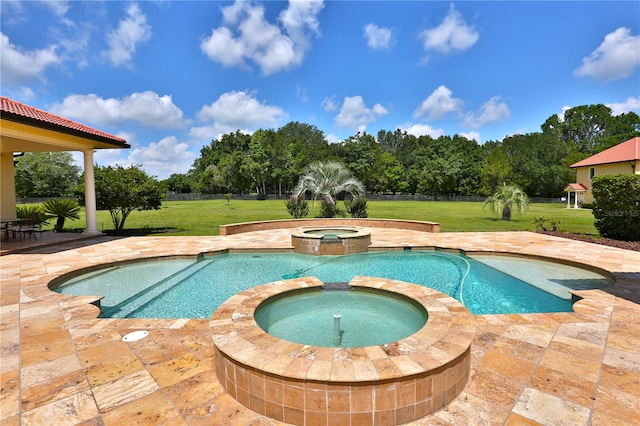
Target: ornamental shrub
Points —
{"points": [[297, 207], [328, 209], [617, 206], [61, 209], [357, 207], [33, 212]]}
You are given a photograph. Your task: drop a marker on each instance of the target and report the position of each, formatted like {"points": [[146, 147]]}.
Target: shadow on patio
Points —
{"points": [[47, 239]]}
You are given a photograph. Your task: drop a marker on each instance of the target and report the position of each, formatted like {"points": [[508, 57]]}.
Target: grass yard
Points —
{"points": [[204, 217]]}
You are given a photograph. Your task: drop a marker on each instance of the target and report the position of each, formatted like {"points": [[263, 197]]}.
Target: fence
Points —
{"points": [[372, 197]]}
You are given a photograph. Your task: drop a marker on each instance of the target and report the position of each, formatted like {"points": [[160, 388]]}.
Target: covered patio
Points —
{"points": [[27, 129]]}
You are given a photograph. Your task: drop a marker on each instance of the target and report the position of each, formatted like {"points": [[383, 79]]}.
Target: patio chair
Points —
{"points": [[26, 226], [4, 230]]}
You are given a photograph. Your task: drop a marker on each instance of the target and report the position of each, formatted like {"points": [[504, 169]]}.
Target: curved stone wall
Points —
{"points": [[299, 384], [412, 225]]}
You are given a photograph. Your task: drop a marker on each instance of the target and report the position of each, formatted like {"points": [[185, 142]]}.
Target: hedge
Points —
{"points": [[617, 206]]}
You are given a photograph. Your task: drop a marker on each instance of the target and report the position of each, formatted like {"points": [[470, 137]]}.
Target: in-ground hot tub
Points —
{"points": [[340, 315], [297, 383], [330, 240]]}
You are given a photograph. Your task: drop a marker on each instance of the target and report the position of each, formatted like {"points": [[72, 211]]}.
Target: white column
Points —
{"points": [[568, 199], [90, 194]]}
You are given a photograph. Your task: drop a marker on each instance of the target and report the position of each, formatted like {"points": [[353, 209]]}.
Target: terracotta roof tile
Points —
{"points": [[625, 151], [575, 187], [9, 106]]}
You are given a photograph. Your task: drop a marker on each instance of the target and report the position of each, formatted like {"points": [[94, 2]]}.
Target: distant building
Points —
{"points": [[623, 158]]}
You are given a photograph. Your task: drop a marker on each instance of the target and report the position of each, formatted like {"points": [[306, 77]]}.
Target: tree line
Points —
{"points": [[391, 162]]}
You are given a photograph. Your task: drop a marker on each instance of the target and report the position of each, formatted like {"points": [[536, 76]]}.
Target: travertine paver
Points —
{"points": [[62, 365]]}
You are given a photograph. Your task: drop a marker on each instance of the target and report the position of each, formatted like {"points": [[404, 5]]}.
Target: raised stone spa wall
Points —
{"points": [[300, 384], [357, 241], [412, 225], [395, 401]]}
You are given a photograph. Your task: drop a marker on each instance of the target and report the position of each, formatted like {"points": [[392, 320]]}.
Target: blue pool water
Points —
{"points": [[194, 289], [367, 318]]}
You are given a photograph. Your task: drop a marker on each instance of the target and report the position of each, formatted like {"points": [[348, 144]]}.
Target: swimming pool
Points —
{"points": [[187, 288]]}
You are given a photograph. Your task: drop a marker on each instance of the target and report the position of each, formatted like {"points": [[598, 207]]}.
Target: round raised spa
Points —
{"points": [[377, 383], [330, 240], [340, 316]]}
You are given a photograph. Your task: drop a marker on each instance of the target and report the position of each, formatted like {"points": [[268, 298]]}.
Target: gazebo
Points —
{"points": [[27, 129], [579, 190]]}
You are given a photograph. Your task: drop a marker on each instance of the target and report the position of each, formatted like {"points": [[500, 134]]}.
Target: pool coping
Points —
{"points": [[445, 336], [431, 367], [580, 362]]}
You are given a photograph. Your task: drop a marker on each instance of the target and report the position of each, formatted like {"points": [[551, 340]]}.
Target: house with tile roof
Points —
{"points": [[24, 128], [623, 158]]}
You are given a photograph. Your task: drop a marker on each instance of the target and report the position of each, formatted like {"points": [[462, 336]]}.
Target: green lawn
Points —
{"points": [[204, 217]]}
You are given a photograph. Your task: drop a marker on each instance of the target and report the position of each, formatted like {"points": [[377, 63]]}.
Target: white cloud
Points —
{"points": [[247, 35], [106, 157], [149, 109], [354, 114], [492, 110], [26, 93], [471, 136], [239, 110], [617, 57], [58, 7], [160, 159], [631, 104], [329, 104], [13, 13], [300, 18], [301, 92], [146, 108], [132, 31], [453, 34], [418, 130], [564, 110], [110, 157], [203, 135], [74, 43], [65, 44], [438, 104], [377, 37], [18, 67], [163, 158], [331, 138]]}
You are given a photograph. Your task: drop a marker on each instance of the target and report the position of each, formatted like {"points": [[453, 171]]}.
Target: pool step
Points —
{"points": [[140, 299], [554, 278]]}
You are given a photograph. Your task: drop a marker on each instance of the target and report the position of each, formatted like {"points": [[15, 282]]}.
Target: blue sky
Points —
{"points": [[170, 76]]}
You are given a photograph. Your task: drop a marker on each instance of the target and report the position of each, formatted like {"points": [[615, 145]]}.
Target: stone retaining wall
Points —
{"points": [[413, 225]]}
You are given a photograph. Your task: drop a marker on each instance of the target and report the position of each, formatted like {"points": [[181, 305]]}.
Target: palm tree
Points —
{"points": [[506, 197], [325, 180]]}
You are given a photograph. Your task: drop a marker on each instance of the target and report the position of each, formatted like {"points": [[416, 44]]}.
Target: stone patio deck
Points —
{"points": [[62, 365]]}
